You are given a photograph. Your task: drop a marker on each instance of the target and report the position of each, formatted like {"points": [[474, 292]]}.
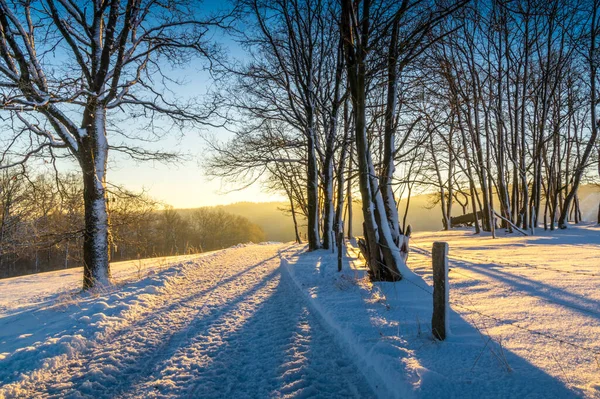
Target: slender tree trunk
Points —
{"points": [[67, 255], [312, 189], [523, 154], [349, 193], [339, 221], [329, 232], [328, 209], [389, 141], [293, 210]]}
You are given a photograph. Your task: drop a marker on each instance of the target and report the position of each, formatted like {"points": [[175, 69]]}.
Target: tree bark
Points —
{"points": [[92, 158], [314, 241], [384, 259], [389, 141]]}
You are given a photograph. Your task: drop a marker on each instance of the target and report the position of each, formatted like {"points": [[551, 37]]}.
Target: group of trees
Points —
{"points": [[509, 104], [73, 72], [42, 225], [489, 103], [483, 101], [317, 103]]}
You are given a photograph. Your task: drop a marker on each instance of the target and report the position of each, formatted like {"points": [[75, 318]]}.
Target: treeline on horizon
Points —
{"points": [[42, 224]]}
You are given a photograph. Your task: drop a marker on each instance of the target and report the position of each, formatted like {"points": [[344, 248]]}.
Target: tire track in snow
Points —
{"points": [[244, 332]]}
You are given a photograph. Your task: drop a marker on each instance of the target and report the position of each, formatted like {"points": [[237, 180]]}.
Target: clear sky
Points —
{"points": [[183, 185]]}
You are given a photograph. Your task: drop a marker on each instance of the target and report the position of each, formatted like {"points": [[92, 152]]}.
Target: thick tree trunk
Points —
{"points": [[389, 142], [384, 259], [92, 158]]}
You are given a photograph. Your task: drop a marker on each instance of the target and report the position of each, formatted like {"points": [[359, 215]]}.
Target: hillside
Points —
{"points": [[422, 216]]}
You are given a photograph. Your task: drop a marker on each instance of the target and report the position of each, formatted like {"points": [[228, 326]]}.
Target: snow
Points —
{"points": [[228, 324], [523, 351], [546, 283], [271, 320], [37, 290]]}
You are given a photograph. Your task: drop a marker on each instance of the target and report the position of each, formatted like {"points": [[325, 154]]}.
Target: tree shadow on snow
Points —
{"points": [[279, 350], [391, 325], [546, 292], [48, 327], [262, 342]]}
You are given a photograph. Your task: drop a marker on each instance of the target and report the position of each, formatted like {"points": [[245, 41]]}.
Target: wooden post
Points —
{"points": [[440, 320], [340, 246]]}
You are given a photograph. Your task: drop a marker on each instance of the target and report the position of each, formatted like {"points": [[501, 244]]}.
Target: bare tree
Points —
{"points": [[66, 67], [592, 58], [365, 25]]}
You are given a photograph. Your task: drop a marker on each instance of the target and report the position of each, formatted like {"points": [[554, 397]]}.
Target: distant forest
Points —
{"points": [[423, 213], [42, 224]]}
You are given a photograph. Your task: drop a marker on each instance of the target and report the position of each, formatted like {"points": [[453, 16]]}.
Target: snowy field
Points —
{"points": [[35, 290], [525, 320], [274, 321], [542, 292]]}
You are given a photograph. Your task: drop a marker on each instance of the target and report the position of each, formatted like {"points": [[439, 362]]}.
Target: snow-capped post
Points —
{"points": [[440, 320]]}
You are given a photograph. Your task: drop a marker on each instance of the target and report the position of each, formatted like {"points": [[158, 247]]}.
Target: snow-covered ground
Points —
{"points": [[525, 319], [274, 321], [228, 324], [35, 290], [543, 292]]}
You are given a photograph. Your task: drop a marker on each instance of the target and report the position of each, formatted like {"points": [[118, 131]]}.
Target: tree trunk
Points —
{"points": [[328, 209], [387, 173], [384, 259], [296, 232], [349, 193], [339, 221], [93, 156], [314, 241]]}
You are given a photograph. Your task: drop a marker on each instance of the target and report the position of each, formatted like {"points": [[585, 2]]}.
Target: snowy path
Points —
{"points": [[234, 327]]}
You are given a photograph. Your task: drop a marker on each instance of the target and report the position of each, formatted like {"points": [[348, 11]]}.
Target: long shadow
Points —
{"points": [[488, 370], [571, 237], [132, 369], [575, 302], [21, 362], [282, 350], [21, 323], [397, 334]]}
